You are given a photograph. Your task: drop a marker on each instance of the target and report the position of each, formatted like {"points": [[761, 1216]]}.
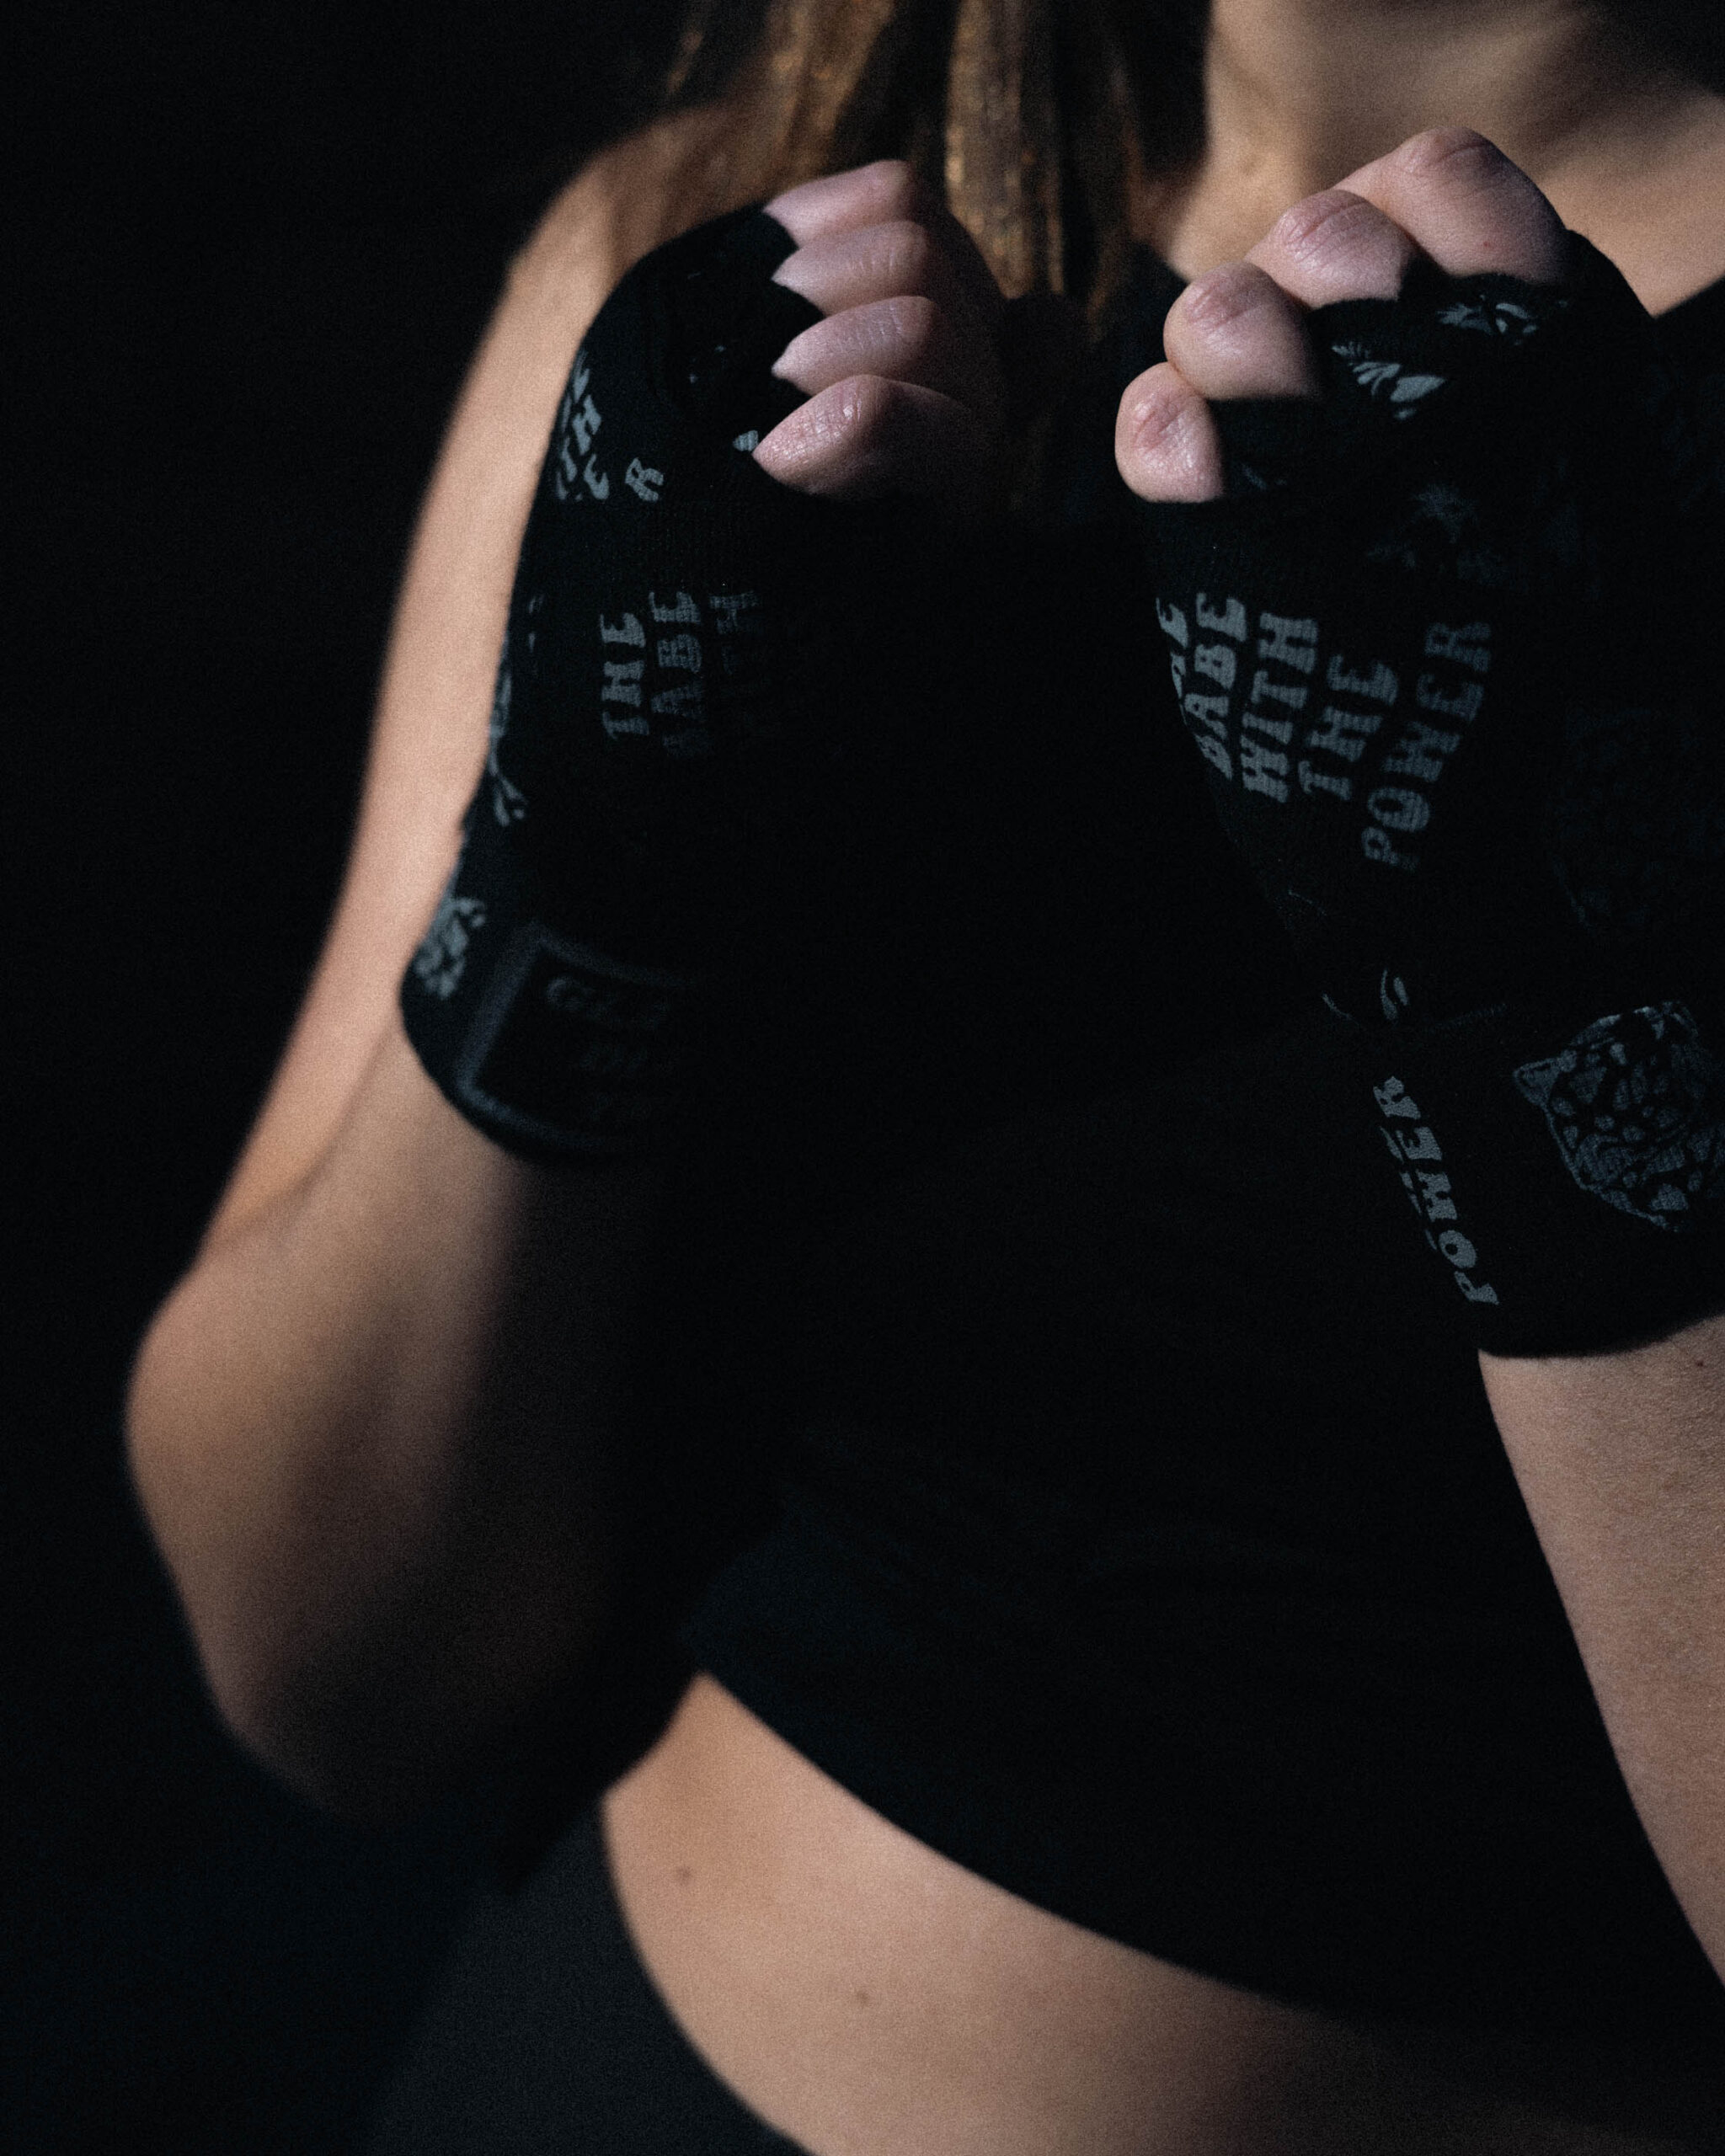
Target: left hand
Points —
{"points": [[1239, 331], [1384, 537], [1434, 559]]}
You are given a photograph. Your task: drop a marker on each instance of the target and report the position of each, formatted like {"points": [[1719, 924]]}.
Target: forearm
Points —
{"points": [[1622, 1459], [373, 1432]]}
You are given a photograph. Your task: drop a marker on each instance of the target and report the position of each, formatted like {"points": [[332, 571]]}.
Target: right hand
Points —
{"points": [[691, 698], [906, 390]]}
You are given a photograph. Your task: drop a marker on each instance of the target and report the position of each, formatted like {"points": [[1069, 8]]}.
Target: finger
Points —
{"points": [[868, 436], [905, 338], [888, 192], [1166, 443], [1335, 246], [878, 262], [845, 201], [1459, 199], [1234, 332]]}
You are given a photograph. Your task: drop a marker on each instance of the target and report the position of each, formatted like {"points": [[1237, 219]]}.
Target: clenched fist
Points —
{"points": [[1434, 552], [697, 682]]}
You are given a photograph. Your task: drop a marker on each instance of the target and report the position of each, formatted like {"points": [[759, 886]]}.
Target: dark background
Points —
{"points": [[251, 249]]}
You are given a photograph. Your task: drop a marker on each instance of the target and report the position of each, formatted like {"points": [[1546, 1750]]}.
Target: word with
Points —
{"points": [[1247, 703]]}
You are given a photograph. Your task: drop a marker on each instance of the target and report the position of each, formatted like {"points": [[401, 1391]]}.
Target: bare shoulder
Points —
{"points": [[428, 737], [1656, 206]]}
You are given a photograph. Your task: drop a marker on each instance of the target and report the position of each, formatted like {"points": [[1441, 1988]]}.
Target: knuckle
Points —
{"points": [[860, 409], [897, 191], [1160, 412], [906, 251], [1219, 297], [915, 323], [1451, 154], [1322, 224]]}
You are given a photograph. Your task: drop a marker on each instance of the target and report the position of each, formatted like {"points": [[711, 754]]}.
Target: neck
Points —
{"points": [[1300, 92]]}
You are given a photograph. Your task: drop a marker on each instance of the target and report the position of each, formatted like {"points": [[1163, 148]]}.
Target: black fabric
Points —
{"points": [[546, 2038], [1146, 1543], [669, 749], [1565, 1164], [1444, 648], [1415, 582]]}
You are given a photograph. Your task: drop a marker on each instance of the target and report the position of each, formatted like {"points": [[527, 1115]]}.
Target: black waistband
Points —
{"points": [[545, 2037]]}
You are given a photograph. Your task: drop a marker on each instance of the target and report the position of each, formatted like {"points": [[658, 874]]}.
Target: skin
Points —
{"points": [[863, 2049], [382, 1476], [1621, 1457]]}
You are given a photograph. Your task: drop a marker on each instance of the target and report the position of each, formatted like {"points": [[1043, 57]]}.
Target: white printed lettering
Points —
{"points": [[1468, 647], [1230, 621], [1418, 753], [584, 419], [1463, 704], [628, 631], [1377, 846], [683, 651], [1434, 1189], [1216, 662], [1263, 771], [622, 678], [1380, 686], [1343, 733], [1394, 1099], [1314, 782], [1400, 809], [682, 608], [1288, 641], [1283, 693]]}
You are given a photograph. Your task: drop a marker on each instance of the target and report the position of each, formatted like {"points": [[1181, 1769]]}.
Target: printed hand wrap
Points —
{"points": [[668, 721], [1444, 649]]}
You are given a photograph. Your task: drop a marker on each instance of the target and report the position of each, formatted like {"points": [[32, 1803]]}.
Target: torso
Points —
{"points": [[866, 1995], [868, 1998]]}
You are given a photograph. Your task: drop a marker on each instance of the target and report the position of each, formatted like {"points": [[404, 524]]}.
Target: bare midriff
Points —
{"points": [[868, 1997]]}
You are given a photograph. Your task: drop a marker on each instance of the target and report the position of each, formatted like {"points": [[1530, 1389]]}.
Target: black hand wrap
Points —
{"points": [[1444, 649], [669, 717]]}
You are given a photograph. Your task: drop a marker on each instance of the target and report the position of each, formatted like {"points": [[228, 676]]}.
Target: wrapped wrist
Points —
{"points": [[1565, 1162]]}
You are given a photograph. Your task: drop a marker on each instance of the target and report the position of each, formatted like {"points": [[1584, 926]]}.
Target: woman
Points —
{"points": [[1149, 1728]]}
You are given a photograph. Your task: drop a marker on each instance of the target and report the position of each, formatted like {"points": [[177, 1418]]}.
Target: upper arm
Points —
{"points": [[429, 736]]}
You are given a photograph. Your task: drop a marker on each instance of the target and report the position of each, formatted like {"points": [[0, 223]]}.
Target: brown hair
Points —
{"points": [[1033, 117]]}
